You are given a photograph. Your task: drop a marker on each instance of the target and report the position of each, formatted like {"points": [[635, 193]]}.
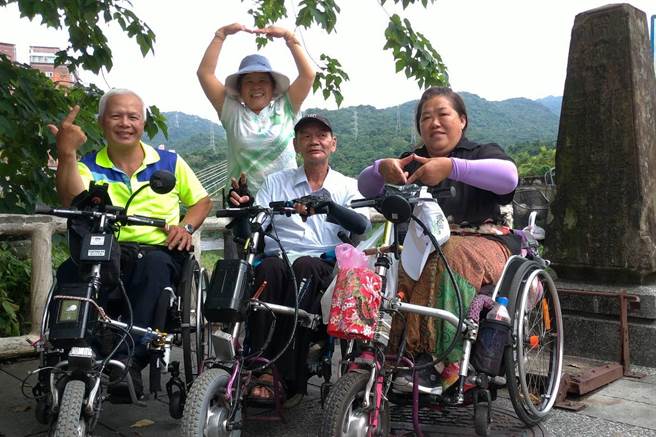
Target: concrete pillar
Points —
{"points": [[601, 233]]}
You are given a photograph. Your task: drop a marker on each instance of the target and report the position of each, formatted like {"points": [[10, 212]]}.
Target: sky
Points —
{"points": [[497, 50]]}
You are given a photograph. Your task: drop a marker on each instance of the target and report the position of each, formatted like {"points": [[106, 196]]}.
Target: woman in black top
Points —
{"points": [[485, 178]]}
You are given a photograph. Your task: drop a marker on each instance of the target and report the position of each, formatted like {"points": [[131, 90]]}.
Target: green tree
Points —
{"points": [[533, 160], [412, 51], [29, 100]]}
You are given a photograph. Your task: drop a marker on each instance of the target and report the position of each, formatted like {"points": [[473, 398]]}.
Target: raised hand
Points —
{"points": [[392, 169], [274, 32], [432, 170], [69, 136], [231, 29], [239, 194]]}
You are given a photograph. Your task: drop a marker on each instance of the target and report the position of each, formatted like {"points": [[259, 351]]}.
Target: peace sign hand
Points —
{"points": [[69, 136]]}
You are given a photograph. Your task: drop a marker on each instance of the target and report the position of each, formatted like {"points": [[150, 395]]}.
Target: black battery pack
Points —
{"points": [[230, 287], [70, 319]]}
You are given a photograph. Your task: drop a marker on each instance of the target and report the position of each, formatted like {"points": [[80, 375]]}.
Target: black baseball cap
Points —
{"points": [[309, 118]]}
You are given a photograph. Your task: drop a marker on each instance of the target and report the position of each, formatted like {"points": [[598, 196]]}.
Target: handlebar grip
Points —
{"points": [[232, 212], [361, 203], [281, 204], [42, 209], [443, 193], [146, 221]]}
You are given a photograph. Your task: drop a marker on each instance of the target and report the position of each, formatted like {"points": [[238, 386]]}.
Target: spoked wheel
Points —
{"points": [[534, 363], [345, 414], [194, 336], [207, 411], [70, 420]]}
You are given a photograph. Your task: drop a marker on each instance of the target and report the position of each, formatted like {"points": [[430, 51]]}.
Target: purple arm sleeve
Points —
{"points": [[370, 182], [496, 175]]}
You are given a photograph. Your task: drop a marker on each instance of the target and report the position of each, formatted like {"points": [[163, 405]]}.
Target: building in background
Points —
{"points": [[43, 59], [9, 50]]}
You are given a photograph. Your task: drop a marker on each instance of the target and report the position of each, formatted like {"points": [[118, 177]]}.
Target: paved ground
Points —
{"points": [[626, 407]]}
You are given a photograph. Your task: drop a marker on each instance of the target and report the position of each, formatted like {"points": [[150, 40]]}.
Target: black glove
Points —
{"points": [[241, 188]]}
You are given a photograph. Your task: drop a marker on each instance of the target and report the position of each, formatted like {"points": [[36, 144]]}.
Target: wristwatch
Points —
{"points": [[189, 228]]}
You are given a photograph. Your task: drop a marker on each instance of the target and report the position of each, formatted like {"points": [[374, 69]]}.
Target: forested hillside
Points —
{"points": [[365, 133]]}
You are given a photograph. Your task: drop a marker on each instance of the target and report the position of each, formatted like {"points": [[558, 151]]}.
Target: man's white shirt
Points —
{"points": [[316, 235]]}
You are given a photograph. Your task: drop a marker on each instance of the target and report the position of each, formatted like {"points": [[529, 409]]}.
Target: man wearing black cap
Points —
{"points": [[307, 238]]}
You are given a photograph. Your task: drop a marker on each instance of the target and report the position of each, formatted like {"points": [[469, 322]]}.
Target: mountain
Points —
{"points": [[188, 133], [553, 103], [365, 133]]}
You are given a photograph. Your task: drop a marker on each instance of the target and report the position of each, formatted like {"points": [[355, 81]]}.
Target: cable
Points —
{"points": [[126, 333], [291, 271], [461, 314]]}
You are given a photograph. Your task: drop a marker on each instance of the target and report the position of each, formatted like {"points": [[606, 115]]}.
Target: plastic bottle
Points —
{"points": [[500, 310], [493, 338]]}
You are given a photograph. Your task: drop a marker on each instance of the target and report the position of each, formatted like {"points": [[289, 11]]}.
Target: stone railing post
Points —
{"points": [[40, 229], [41, 273]]}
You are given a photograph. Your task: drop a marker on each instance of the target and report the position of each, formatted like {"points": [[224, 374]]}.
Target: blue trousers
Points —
{"points": [[145, 272]]}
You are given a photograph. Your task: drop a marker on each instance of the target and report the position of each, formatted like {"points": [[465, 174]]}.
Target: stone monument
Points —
{"points": [[602, 225]]}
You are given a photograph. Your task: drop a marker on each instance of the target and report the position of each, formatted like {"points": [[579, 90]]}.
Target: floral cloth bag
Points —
{"points": [[356, 298]]}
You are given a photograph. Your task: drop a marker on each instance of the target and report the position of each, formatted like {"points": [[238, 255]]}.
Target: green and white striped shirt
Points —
{"points": [[259, 144]]}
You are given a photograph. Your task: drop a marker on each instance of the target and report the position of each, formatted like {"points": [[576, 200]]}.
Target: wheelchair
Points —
{"points": [[218, 403], [531, 353], [74, 371]]}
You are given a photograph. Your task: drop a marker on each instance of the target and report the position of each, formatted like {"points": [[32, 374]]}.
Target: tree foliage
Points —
{"points": [[29, 101], [88, 48], [533, 159], [412, 51]]}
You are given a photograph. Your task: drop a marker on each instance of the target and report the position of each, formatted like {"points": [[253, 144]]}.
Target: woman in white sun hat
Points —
{"points": [[257, 106]]}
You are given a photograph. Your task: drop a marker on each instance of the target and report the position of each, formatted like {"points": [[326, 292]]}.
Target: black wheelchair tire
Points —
{"points": [[482, 418], [349, 389], [192, 334], [70, 420], [207, 394]]}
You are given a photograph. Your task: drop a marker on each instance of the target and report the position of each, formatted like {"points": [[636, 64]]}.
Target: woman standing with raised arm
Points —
{"points": [[257, 105]]}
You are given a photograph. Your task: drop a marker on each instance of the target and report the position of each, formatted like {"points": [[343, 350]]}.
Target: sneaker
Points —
{"points": [[428, 378]]}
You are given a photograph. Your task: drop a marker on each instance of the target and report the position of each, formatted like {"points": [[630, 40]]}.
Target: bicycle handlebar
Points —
{"points": [[145, 221], [138, 220], [410, 193], [282, 207]]}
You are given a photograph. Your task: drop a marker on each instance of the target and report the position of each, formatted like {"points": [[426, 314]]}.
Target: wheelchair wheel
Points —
{"points": [[193, 330], [206, 410], [534, 362], [345, 415]]}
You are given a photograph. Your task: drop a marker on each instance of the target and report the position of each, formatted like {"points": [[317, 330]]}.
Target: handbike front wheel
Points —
{"points": [[70, 420], [206, 411], [345, 415], [534, 363]]}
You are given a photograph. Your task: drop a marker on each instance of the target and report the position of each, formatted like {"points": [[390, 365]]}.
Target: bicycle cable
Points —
{"points": [[296, 292], [452, 345]]}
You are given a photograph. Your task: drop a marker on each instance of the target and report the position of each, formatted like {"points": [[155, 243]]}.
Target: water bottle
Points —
{"points": [[493, 338], [500, 310]]}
